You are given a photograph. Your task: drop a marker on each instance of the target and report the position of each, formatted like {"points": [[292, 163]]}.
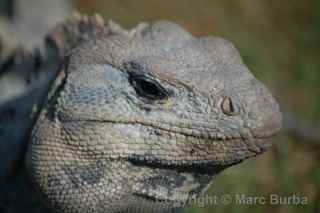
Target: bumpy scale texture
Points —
{"points": [[142, 120]]}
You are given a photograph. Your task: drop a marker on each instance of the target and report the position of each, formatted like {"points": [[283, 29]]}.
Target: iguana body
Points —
{"points": [[141, 120]]}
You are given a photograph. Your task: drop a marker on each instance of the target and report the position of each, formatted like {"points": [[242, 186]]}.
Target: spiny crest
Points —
{"points": [[57, 45], [75, 30]]}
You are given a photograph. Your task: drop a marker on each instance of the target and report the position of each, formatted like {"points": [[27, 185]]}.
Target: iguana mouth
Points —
{"points": [[206, 144], [206, 156], [255, 144], [192, 168], [198, 131]]}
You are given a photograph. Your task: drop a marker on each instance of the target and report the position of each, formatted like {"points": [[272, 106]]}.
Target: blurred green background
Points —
{"points": [[280, 43]]}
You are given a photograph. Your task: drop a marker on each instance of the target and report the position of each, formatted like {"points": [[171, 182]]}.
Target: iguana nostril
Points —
{"points": [[229, 107]]}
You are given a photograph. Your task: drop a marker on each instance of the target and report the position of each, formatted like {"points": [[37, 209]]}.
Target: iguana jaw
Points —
{"points": [[200, 172], [198, 138]]}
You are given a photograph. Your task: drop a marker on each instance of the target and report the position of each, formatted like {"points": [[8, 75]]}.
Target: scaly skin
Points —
{"points": [[142, 120]]}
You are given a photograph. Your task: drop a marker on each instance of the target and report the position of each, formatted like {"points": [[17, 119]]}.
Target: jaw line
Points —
{"points": [[210, 133], [194, 168], [250, 142]]}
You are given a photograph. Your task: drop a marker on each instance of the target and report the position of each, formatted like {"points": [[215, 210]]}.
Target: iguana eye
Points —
{"points": [[147, 87]]}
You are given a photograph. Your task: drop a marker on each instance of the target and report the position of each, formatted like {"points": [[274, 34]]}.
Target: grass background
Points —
{"points": [[280, 43]]}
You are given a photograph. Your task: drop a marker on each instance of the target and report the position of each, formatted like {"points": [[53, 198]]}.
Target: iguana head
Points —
{"points": [[143, 119]]}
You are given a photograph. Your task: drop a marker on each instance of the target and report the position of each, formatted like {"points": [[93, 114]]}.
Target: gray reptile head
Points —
{"points": [[141, 121]]}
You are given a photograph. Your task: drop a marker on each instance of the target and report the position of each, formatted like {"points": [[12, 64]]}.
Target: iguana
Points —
{"points": [[138, 120]]}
